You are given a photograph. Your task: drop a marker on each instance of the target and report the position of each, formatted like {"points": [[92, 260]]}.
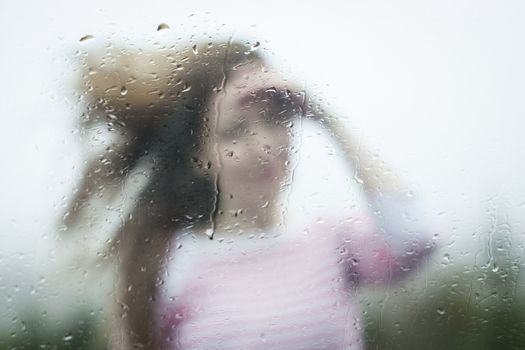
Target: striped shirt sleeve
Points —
{"points": [[389, 243]]}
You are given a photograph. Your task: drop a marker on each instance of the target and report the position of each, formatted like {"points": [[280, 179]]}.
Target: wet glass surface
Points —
{"points": [[208, 180]]}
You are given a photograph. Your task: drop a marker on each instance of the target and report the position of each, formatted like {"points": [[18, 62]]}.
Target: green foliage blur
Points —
{"points": [[80, 333], [469, 310], [478, 306]]}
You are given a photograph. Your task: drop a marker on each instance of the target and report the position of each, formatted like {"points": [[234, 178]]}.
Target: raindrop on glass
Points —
{"points": [[163, 26], [86, 38]]}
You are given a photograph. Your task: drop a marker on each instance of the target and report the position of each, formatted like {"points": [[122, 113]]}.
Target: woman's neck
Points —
{"points": [[236, 216]]}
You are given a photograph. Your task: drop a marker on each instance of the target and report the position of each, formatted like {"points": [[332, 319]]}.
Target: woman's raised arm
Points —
{"points": [[371, 173], [400, 231]]}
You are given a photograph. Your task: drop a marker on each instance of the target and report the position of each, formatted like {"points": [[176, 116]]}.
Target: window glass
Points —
{"points": [[277, 175]]}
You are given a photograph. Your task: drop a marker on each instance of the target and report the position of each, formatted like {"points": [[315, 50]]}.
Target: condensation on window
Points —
{"points": [[205, 180]]}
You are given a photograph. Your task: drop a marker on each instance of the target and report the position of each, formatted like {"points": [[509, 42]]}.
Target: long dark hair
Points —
{"points": [[159, 120]]}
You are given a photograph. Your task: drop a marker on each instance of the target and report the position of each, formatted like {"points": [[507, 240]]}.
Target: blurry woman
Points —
{"points": [[214, 126]]}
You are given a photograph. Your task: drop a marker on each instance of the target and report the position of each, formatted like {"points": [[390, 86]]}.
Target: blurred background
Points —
{"points": [[437, 87]]}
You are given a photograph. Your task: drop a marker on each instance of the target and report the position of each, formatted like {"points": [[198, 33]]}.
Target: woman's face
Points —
{"points": [[251, 138]]}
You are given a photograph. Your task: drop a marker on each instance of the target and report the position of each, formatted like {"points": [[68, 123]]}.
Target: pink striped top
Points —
{"points": [[290, 291]]}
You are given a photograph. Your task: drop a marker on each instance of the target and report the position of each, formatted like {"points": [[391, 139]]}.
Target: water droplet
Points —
{"points": [[255, 46], [163, 26], [86, 38], [440, 311], [187, 87], [68, 337], [195, 49], [263, 337], [123, 91], [495, 268], [446, 260]]}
